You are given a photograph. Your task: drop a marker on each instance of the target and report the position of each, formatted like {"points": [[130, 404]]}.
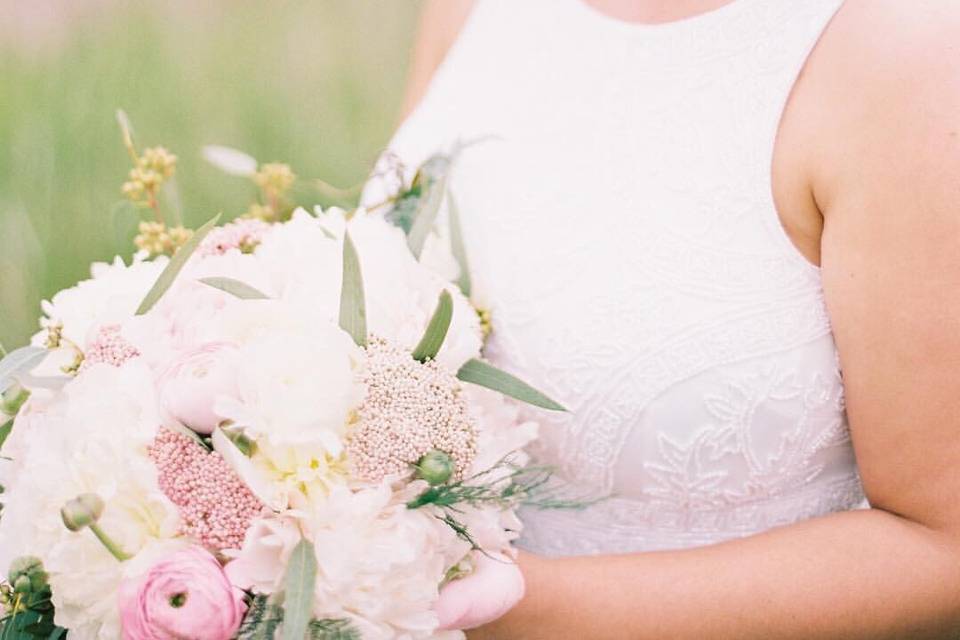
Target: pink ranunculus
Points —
{"points": [[495, 587], [184, 596], [191, 383]]}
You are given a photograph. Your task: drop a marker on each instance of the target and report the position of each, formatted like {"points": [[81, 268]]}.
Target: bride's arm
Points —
{"points": [[886, 173], [440, 23]]}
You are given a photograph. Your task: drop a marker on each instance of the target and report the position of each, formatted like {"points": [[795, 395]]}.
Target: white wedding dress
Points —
{"points": [[620, 221]]}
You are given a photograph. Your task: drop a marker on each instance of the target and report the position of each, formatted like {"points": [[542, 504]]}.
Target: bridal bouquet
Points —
{"points": [[277, 427]]}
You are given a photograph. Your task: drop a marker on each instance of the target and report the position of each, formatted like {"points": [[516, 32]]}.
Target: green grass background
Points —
{"points": [[313, 83]]}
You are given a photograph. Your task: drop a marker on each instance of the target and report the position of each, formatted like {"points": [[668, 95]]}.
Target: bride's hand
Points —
{"points": [[495, 587]]}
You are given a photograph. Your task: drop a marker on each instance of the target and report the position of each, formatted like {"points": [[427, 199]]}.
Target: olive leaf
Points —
{"points": [[236, 288], [5, 431], [19, 361], [353, 310], [427, 210], [300, 582], [429, 346], [458, 247], [486, 375], [176, 264]]}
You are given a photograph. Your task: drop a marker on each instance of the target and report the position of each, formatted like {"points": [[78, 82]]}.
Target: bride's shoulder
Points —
{"points": [[885, 71], [440, 24], [888, 37]]}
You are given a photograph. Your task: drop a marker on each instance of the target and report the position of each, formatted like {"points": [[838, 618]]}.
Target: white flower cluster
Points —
{"points": [[275, 386], [92, 438]]}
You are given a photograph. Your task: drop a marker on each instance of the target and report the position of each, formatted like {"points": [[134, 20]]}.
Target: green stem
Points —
{"points": [[155, 205], [110, 545]]}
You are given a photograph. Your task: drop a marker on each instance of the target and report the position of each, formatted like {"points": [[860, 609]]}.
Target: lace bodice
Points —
{"points": [[621, 223]]}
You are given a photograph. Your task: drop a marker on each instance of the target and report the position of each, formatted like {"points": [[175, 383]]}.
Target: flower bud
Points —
{"points": [[82, 511], [22, 584], [436, 467], [27, 575]]}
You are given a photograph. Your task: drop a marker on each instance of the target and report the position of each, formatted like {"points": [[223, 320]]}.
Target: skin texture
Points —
{"points": [[440, 23], [867, 183]]}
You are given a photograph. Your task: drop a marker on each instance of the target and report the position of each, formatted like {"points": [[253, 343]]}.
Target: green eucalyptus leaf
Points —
{"points": [[486, 375], [236, 288], [353, 311], [299, 584], [19, 361], [427, 210], [436, 331], [458, 247], [176, 264]]}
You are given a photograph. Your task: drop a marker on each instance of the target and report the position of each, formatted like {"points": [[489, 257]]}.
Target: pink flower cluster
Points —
{"points": [[216, 506], [108, 346], [242, 234]]}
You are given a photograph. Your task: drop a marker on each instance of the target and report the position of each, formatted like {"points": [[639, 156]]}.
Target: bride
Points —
{"points": [[692, 215]]}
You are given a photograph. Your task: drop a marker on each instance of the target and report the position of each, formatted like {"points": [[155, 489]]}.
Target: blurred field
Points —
{"points": [[313, 83]]}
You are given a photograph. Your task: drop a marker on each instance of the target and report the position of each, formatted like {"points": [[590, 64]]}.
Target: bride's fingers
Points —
{"points": [[495, 586]]}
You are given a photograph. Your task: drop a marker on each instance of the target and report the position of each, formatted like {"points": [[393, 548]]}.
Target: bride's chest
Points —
{"points": [[693, 350]]}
